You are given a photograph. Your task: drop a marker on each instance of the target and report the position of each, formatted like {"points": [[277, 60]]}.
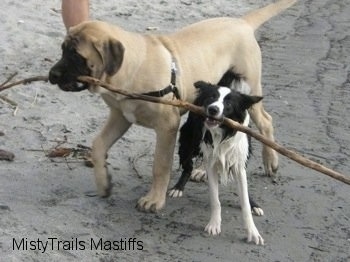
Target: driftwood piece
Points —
{"points": [[6, 155], [59, 152]]}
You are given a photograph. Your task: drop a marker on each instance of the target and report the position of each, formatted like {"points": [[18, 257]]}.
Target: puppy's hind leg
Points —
{"points": [[115, 127], [263, 121]]}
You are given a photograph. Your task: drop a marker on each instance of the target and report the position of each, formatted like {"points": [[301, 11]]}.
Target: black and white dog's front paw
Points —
{"points": [[254, 236], [174, 192], [213, 227], [198, 175], [256, 209]]}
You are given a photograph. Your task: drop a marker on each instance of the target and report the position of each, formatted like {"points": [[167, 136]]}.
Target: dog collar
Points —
{"points": [[171, 88]]}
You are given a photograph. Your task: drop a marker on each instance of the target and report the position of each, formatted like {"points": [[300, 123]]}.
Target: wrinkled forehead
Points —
{"points": [[77, 44], [70, 43]]}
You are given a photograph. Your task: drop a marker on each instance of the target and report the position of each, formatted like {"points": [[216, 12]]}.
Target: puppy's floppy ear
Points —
{"points": [[112, 54], [248, 101]]}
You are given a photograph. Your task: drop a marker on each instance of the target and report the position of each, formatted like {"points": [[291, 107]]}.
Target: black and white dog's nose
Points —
{"points": [[213, 110]]}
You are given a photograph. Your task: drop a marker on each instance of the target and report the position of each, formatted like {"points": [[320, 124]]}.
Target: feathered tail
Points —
{"points": [[260, 16]]}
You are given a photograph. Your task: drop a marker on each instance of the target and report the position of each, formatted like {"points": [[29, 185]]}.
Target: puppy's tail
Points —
{"points": [[257, 17]]}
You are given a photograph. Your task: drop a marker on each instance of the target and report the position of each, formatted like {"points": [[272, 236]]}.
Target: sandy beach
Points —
{"points": [[49, 210]]}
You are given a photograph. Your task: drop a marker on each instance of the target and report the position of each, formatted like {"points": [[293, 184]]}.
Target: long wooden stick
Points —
{"points": [[230, 123], [288, 153], [198, 110]]}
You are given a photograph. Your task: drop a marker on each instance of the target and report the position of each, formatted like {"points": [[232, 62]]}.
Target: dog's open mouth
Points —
{"points": [[211, 122]]}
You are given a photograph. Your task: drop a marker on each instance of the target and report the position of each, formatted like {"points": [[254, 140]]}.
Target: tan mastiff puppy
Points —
{"points": [[142, 63]]}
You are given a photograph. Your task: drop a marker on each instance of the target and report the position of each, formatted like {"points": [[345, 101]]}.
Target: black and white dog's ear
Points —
{"points": [[202, 89], [248, 101], [201, 84]]}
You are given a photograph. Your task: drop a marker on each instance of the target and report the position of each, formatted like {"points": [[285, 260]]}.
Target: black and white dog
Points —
{"points": [[224, 150]]}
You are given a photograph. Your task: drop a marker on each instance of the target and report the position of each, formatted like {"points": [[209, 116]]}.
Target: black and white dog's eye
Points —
{"points": [[228, 104], [212, 99]]}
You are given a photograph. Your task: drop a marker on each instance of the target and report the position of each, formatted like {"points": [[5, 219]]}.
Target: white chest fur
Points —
{"points": [[225, 157]]}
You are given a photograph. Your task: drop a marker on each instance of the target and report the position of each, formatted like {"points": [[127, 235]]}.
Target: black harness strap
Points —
{"points": [[170, 88]]}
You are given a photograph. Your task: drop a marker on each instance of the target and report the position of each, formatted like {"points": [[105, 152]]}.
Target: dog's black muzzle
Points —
{"points": [[65, 76], [66, 82]]}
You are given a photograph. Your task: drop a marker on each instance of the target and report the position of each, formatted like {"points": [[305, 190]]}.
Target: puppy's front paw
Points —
{"points": [[104, 185], [149, 203], [175, 193], [254, 235], [213, 227], [198, 175]]}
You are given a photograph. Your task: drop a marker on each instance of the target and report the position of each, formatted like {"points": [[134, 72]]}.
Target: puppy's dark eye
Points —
{"points": [[210, 100], [75, 56], [77, 59]]}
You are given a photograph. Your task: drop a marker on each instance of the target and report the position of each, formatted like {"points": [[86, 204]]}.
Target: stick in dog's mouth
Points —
{"points": [[211, 122]]}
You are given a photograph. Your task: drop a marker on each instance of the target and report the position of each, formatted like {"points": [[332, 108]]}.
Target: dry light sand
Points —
{"points": [[306, 81]]}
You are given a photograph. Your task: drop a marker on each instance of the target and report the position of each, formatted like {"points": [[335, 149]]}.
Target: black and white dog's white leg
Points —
{"points": [[248, 222], [214, 225]]}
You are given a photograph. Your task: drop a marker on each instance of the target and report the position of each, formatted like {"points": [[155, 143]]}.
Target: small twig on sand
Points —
{"points": [[10, 102], [6, 155], [35, 99], [80, 154], [67, 161], [319, 249], [9, 79], [23, 82], [137, 158]]}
